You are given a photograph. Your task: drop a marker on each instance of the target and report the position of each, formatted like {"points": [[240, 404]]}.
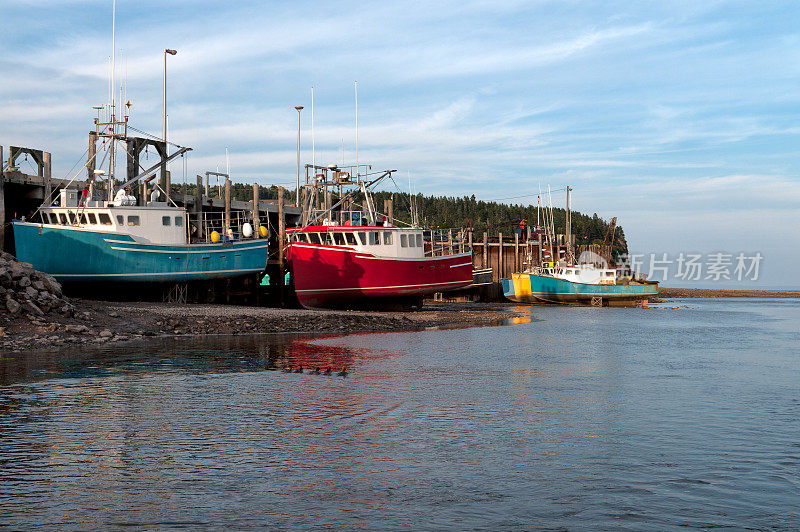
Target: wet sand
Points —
{"points": [[669, 293]]}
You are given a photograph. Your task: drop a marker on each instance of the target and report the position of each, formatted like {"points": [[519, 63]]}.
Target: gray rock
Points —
{"points": [[77, 328], [31, 308], [12, 306], [24, 281], [18, 269], [53, 286], [31, 293], [105, 333], [39, 285]]}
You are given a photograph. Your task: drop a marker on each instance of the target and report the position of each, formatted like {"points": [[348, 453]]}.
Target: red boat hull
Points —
{"points": [[333, 276]]}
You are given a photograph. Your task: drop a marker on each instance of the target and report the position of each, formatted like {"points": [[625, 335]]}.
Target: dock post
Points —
{"points": [[516, 252], [485, 249], [256, 191], [281, 246], [390, 210], [91, 162], [540, 248], [2, 203], [227, 222], [327, 205], [500, 262], [198, 207], [47, 173]]}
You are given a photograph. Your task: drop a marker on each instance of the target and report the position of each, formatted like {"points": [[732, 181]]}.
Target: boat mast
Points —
{"points": [[570, 255], [111, 161]]}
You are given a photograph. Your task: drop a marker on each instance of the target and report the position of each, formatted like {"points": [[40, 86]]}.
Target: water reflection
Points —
{"points": [[578, 418]]}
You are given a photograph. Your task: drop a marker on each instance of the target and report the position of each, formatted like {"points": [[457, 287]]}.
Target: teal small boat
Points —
{"points": [[576, 285]]}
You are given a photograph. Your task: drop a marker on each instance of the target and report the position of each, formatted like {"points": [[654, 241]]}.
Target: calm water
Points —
{"points": [[581, 418]]}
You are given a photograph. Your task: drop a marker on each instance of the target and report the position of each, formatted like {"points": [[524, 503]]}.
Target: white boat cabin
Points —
{"points": [[376, 240], [155, 223], [582, 273]]}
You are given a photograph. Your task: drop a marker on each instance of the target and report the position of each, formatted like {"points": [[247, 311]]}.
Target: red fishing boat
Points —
{"points": [[351, 261]]}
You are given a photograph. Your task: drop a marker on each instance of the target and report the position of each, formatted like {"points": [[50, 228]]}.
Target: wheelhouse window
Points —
{"points": [[92, 218], [133, 220], [419, 240], [120, 219], [374, 238], [179, 221], [165, 220], [350, 238], [362, 238], [387, 238], [104, 218], [403, 240], [71, 217], [315, 239], [338, 239]]}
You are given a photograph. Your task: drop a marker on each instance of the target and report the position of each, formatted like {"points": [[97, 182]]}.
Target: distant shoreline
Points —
{"points": [[665, 293]]}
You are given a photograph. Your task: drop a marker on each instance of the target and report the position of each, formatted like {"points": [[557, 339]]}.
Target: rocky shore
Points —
{"points": [[35, 314], [669, 293], [101, 322]]}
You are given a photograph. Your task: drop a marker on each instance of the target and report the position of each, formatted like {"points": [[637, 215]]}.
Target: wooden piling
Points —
{"points": [[255, 210], [47, 173], [198, 207], [500, 253], [390, 211], [281, 247], [516, 252], [91, 162], [327, 205], [485, 249]]}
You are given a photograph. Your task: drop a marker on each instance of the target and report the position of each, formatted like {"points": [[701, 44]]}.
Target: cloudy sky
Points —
{"points": [[680, 118]]}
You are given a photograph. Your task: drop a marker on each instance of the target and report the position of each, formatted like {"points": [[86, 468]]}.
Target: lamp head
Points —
{"points": [[171, 52], [298, 107]]}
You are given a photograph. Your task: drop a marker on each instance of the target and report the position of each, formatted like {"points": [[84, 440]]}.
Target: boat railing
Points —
{"points": [[441, 242], [215, 222]]}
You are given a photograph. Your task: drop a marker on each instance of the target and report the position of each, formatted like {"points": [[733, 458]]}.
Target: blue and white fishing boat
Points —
{"points": [[581, 284], [151, 243], [568, 281], [118, 237]]}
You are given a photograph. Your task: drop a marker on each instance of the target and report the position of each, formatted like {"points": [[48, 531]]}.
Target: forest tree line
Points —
{"points": [[442, 212]]}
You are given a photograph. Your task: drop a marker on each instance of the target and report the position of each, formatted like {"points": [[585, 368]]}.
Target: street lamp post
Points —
{"points": [[297, 190], [164, 130]]}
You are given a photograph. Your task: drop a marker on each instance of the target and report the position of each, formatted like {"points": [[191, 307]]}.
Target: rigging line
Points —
{"points": [[50, 199], [154, 137], [524, 196]]}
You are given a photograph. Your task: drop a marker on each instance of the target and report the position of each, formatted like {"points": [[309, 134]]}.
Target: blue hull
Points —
{"points": [[79, 255], [531, 288]]}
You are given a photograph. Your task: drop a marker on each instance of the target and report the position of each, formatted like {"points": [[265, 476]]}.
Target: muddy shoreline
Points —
{"points": [[102, 322], [672, 293]]}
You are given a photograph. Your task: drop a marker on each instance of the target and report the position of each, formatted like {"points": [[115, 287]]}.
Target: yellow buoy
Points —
{"points": [[214, 237], [262, 231]]}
